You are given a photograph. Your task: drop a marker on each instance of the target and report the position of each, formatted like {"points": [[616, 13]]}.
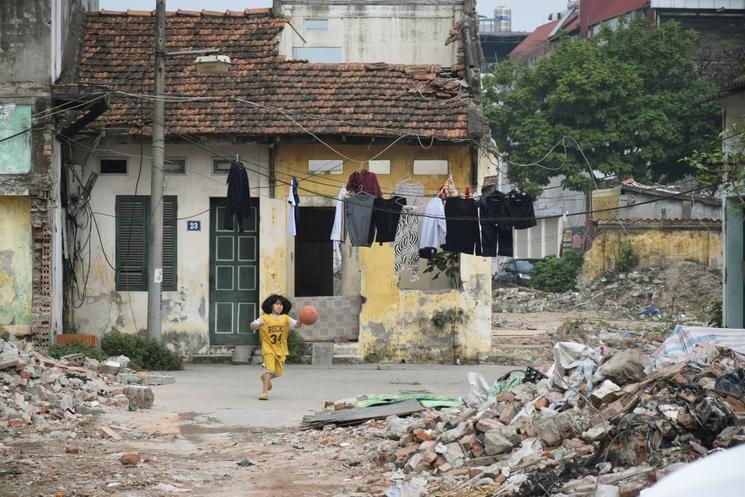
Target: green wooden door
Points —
{"points": [[234, 276]]}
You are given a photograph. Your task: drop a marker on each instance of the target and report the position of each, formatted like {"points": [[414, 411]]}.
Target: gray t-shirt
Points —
{"points": [[359, 219]]}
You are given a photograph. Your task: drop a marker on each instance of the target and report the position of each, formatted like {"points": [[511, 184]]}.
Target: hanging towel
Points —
{"points": [[434, 227], [359, 219], [406, 243], [462, 235], [293, 213], [414, 194], [239, 196], [338, 231]]}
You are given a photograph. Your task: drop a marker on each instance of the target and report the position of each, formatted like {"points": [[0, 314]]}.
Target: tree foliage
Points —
{"points": [[624, 98]]}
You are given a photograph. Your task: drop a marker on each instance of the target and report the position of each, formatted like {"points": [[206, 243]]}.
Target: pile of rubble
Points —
{"points": [[670, 291], [40, 391], [584, 429]]}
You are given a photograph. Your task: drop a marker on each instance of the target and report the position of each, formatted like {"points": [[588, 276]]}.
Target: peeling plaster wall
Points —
{"points": [[394, 323], [654, 247], [407, 33], [185, 311], [15, 261]]}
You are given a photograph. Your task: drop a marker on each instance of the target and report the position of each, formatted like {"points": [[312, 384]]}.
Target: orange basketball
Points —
{"points": [[308, 314]]}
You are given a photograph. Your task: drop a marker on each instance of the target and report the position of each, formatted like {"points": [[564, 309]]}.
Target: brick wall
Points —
{"points": [[338, 318], [41, 233]]}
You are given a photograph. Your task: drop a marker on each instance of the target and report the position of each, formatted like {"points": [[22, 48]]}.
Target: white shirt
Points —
{"points": [[434, 227], [337, 232]]}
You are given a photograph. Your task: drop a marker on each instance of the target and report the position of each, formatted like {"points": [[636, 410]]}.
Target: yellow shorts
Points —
{"points": [[273, 364]]}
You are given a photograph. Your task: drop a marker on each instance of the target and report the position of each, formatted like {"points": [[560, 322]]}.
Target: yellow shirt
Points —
{"points": [[274, 332]]}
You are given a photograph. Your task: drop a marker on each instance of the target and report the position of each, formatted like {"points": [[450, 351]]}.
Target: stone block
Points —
{"points": [[74, 359], [157, 379], [139, 396], [495, 443], [129, 379], [109, 367], [323, 354]]}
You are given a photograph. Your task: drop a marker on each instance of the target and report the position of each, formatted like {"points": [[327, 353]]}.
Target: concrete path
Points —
{"points": [[229, 394]]}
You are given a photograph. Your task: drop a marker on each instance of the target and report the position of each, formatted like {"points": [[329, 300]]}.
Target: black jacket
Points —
{"points": [[239, 196]]}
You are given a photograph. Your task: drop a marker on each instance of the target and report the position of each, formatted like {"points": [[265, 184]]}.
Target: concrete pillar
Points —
{"points": [[733, 298]]}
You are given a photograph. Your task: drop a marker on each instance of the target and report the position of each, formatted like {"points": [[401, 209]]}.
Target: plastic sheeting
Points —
{"points": [[719, 474], [697, 344]]}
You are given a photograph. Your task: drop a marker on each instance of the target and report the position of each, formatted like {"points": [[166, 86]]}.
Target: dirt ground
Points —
{"points": [[183, 454], [195, 454]]}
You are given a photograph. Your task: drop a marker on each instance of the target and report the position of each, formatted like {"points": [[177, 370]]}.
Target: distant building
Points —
{"points": [[720, 25], [497, 38]]}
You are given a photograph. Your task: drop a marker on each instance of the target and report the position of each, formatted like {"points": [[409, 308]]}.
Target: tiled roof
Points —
{"points": [[597, 11], [534, 39], [371, 99]]}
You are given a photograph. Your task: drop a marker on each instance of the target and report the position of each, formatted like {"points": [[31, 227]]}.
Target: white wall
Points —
{"points": [[396, 34], [185, 310]]}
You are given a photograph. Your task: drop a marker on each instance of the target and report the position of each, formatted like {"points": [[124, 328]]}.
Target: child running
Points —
{"points": [[274, 330]]}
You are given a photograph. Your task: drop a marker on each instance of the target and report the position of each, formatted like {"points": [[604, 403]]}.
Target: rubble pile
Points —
{"points": [[40, 391], [585, 429], [673, 290]]}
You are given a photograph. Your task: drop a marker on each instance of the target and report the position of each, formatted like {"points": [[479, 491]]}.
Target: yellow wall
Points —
{"points": [[603, 200], [395, 324], [15, 261], [653, 247], [292, 160]]}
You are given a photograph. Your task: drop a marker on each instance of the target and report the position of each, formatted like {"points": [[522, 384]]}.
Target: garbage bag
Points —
{"points": [[732, 383]]}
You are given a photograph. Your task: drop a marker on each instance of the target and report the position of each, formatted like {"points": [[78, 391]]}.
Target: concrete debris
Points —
{"points": [[614, 442], [36, 390], [675, 289]]}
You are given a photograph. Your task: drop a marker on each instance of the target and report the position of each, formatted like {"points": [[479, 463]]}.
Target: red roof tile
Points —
{"points": [[593, 12], [534, 39], [288, 97]]}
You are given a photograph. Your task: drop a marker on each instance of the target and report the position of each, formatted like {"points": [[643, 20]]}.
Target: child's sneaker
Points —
{"points": [[263, 396]]}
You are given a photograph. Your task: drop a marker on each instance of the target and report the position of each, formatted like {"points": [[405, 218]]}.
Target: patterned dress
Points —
{"points": [[406, 243]]}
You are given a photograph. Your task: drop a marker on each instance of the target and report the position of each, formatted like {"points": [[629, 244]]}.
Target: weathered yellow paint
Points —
{"points": [[292, 160], [275, 247], [396, 324], [653, 247], [602, 200], [15, 261]]}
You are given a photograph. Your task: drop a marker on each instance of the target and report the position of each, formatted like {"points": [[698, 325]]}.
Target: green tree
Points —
{"points": [[624, 98]]}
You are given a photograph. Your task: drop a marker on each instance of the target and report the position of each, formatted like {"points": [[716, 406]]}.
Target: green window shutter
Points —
{"points": [[170, 239], [131, 243], [132, 222]]}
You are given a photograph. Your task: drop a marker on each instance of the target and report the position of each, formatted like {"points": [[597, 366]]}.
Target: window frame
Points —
{"points": [[215, 161], [174, 160], [322, 26], [122, 159], [169, 223]]}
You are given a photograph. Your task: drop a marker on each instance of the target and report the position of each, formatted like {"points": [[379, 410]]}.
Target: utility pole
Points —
{"points": [[155, 244]]}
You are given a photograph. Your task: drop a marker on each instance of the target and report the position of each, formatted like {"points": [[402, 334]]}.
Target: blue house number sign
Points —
{"points": [[193, 225]]}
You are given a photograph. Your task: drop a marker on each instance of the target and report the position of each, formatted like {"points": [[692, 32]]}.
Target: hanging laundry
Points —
{"points": [[406, 243], [448, 189], [338, 231], [359, 219], [496, 228], [239, 196], [293, 213], [520, 207], [434, 227], [364, 181], [462, 235], [386, 214], [413, 191]]}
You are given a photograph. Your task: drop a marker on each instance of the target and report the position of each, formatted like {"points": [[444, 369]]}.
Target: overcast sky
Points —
{"points": [[526, 14]]}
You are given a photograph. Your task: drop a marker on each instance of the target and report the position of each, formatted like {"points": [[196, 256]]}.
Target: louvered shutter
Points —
{"points": [[131, 243], [170, 213]]}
